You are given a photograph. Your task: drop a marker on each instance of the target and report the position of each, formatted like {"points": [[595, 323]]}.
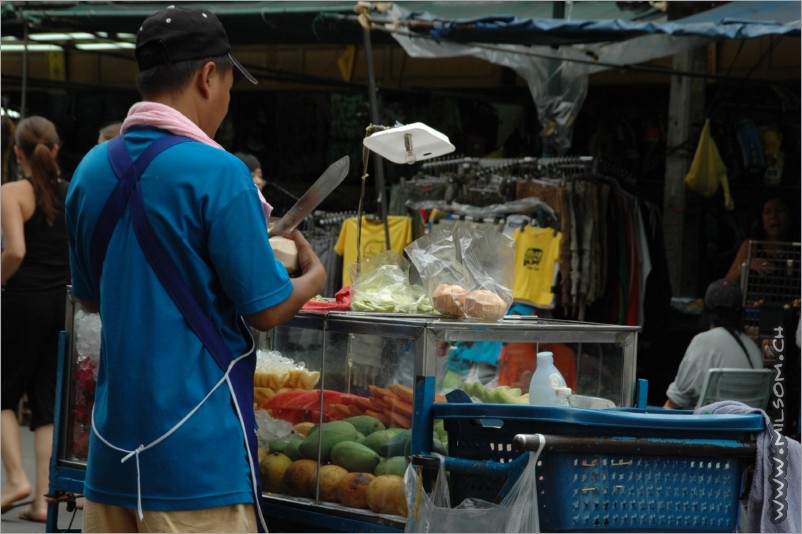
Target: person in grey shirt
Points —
{"points": [[724, 345]]}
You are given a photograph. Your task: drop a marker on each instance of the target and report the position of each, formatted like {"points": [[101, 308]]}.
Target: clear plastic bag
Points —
{"points": [[382, 285], [517, 511], [520, 503], [467, 272], [433, 512]]}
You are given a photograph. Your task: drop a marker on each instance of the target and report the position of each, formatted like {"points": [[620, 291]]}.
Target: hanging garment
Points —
{"points": [[537, 252], [372, 241], [708, 170], [555, 196], [323, 242]]}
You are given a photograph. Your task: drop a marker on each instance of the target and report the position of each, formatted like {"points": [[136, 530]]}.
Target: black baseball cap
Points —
{"points": [[178, 34], [723, 293]]}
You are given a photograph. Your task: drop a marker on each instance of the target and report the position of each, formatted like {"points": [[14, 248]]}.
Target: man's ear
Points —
{"points": [[205, 78]]}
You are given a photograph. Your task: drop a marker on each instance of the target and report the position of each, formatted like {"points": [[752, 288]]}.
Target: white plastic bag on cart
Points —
{"points": [[520, 503], [517, 512], [433, 512]]}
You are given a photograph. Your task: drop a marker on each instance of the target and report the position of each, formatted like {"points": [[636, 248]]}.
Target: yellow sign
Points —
{"points": [[345, 61], [55, 66]]}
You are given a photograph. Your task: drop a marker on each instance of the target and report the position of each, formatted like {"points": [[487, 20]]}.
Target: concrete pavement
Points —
{"points": [[10, 521]]}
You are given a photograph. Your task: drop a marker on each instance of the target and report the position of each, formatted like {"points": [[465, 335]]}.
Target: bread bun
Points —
{"points": [[484, 304], [449, 299]]}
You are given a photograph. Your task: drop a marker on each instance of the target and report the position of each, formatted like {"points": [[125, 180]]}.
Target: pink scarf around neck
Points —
{"points": [[170, 119]]}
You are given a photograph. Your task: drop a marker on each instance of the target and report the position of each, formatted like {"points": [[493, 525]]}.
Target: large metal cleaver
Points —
{"points": [[328, 181], [284, 249]]}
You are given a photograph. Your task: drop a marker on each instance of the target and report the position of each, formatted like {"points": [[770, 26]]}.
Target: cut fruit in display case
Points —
{"points": [[277, 374]]}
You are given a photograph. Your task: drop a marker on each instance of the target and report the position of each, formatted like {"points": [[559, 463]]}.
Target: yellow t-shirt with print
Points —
{"points": [[372, 243], [537, 251]]}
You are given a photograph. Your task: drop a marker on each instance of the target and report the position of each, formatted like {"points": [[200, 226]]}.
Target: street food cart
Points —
{"points": [[324, 367]]}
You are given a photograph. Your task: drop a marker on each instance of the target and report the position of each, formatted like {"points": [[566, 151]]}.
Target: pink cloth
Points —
{"points": [[165, 118], [170, 119]]}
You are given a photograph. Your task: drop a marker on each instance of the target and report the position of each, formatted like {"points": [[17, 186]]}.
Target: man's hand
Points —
{"points": [[308, 262], [309, 284]]}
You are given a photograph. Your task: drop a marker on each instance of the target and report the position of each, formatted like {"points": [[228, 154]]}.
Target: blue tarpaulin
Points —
{"points": [[735, 20], [556, 56]]}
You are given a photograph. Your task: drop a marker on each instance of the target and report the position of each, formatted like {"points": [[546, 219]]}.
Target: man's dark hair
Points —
{"points": [[729, 318], [173, 76]]}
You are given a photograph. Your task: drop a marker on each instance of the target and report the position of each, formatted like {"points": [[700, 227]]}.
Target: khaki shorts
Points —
{"points": [[107, 518]]}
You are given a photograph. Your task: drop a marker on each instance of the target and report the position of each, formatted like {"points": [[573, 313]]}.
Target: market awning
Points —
{"points": [[290, 21], [283, 22], [511, 22], [557, 76], [734, 20]]}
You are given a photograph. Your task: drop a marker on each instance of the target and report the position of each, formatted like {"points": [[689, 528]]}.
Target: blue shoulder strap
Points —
{"points": [[128, 173]]}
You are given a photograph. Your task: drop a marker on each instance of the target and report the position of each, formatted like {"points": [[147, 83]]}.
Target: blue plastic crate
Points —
{"points": [[622, 489]]}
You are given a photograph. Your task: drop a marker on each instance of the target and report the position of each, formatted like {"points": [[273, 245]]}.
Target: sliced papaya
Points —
{"points": [[396, 419], [403, 391], [399, 405]]}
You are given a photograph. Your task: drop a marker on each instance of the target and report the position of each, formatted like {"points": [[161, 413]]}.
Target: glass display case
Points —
{"points": [[386, 371], [78, 373], [344, 398]]}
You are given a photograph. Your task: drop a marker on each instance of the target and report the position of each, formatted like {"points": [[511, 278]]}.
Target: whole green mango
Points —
{"points": [[377, 439], [397, 465], [293, 449], [328, 435], [397, 445], [354, 457], [278, 444], [367, 424]]}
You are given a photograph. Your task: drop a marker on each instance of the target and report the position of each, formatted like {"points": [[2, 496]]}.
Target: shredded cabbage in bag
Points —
{"points": [[383, 286]]}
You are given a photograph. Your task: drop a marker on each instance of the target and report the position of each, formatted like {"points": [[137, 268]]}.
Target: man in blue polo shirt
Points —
{"points": [[173, 262]]}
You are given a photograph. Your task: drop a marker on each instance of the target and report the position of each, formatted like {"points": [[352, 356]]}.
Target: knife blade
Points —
{"points": [[328, 181]]}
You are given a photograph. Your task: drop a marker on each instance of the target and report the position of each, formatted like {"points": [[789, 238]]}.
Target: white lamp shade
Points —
{"points": [[409, 143]]}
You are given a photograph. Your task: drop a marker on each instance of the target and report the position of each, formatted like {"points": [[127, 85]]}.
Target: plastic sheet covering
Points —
{"points": [[558, 86], [495, 24]]}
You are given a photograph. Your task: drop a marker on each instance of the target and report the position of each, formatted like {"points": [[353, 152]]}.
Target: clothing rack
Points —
{"points": [[606, 230], [327, 218], [524, 167]]}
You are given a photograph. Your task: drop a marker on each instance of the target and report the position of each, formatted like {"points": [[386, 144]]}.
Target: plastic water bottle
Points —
{"points": [[545, 382]]}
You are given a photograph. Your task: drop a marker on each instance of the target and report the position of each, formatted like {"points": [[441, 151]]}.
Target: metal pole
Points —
{"points": [[554, 86], [378, 167], [24, 98]]}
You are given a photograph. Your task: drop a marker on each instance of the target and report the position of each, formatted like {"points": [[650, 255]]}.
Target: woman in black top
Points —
{"points": [[35, 274]]}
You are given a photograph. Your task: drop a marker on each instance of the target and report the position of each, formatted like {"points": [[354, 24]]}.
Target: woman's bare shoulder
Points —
{"points": [[17, 188], [19, 193]]}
